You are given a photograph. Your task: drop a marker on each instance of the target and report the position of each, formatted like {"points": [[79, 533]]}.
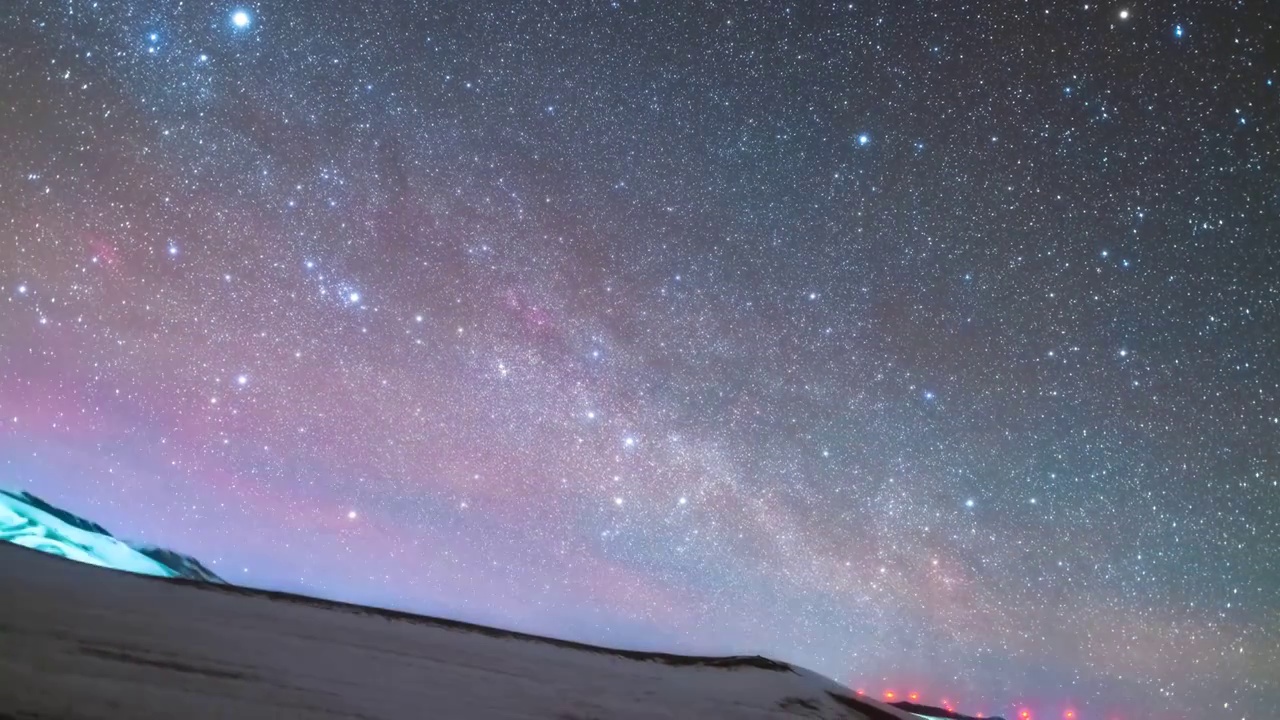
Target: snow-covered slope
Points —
{"points": [[86, 642], [183, 566], [31, 522]]}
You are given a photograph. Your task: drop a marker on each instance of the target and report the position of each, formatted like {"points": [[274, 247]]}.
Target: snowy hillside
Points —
{"points": [[87, 642], [31, 522]]}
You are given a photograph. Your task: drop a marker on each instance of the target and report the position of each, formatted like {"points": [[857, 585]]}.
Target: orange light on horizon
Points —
{"points": [[1025, 715], [1069, 715], [859, 692], [913, 696], [890, 695]]}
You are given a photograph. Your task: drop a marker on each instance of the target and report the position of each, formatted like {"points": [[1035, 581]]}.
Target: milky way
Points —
{"points": [[929, 346]]}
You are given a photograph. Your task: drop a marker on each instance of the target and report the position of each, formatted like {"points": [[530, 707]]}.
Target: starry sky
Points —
{"points": [[931, 346]]}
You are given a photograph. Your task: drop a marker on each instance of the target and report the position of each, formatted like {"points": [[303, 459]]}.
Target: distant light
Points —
{"points": [[354, 297], [617, 501], [173, 249], [154, 37], [1177, 31], [242, 380], [241, 19], [913, 696], [22, 289], [890, 695], [863, 139], [968, 503], [1124, 14], [351, 515], [684, 501]]}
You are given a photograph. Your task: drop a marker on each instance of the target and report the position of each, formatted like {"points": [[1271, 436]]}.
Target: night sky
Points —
{"points": [[931, 346]]}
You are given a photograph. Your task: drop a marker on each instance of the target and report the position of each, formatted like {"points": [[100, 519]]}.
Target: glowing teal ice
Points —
{"points": [[22, 524]]}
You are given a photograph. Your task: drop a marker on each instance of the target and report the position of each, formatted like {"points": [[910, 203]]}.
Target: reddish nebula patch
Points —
{"points": [[103, 252]]}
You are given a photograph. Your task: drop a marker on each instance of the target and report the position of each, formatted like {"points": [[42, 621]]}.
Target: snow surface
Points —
{"points": [[83, 642], [23, 524], [31, 522]]}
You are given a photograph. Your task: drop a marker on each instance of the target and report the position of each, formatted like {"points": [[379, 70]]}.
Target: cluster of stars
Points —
{"points": [[902, 343]]}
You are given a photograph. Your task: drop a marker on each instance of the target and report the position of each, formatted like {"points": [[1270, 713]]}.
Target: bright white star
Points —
{"points": [[241, 19]]}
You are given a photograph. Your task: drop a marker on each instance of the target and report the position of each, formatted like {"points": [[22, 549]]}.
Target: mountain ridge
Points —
{"points": [[31, 521]]}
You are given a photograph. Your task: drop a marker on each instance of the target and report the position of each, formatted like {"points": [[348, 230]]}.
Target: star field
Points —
{"points": [[932, 347]]}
